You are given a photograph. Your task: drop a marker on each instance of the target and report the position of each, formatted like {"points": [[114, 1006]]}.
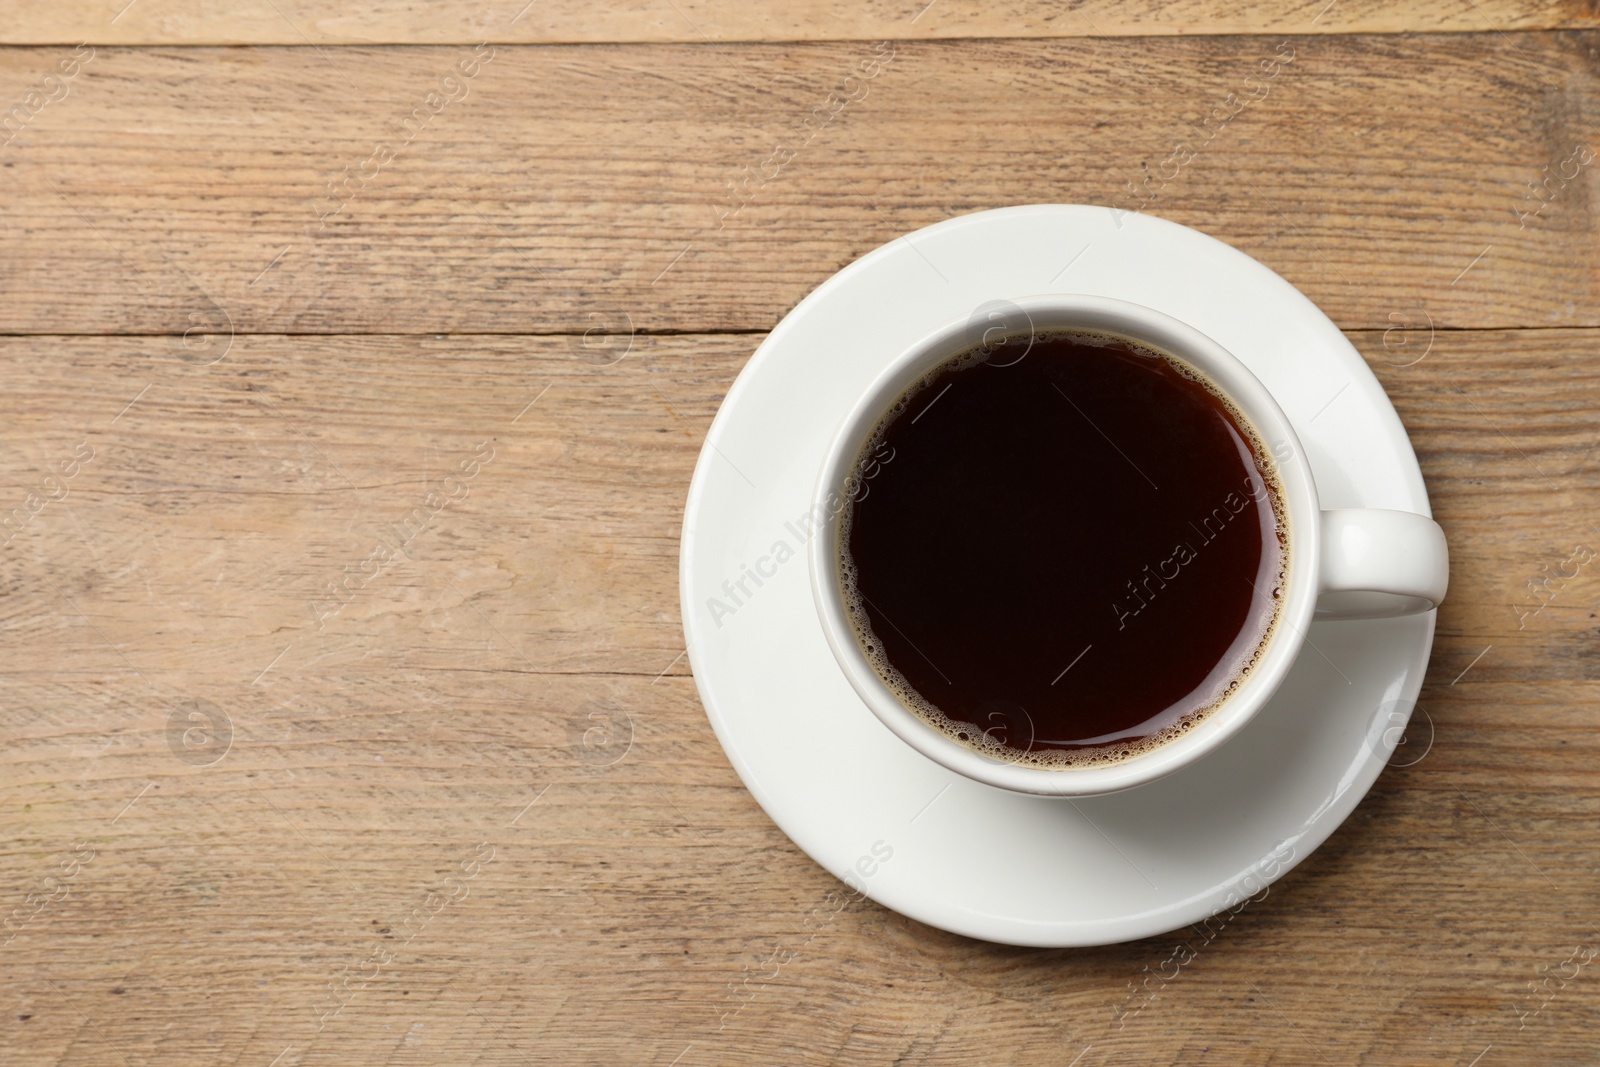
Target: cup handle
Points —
{"points": [[1378, 564]]}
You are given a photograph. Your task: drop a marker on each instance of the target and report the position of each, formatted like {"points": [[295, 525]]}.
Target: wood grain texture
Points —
{"points": [[636, 187], [627, 899], [343, 711], [295, 22]]}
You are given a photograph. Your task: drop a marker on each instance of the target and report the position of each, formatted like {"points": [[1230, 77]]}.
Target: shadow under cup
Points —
{"points": [[999, 746]]}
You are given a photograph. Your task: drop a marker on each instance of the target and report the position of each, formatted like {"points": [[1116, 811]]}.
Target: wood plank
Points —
{"points": [[295, 22], [629, 901], [311, 455], [307, 453], [570, 188], [626, 909]]}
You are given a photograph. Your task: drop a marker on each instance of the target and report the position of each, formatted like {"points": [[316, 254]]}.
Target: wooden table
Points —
{"points": [[354, 380]]}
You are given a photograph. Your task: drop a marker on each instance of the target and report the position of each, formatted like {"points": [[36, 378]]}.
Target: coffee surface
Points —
{"points": [[1068, 550]]}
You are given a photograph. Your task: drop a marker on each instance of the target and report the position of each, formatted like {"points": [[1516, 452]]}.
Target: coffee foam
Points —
{"points": [[1112, 752]]}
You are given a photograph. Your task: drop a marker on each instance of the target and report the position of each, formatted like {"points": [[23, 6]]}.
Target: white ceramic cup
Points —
{"points": [[1346, 564]]}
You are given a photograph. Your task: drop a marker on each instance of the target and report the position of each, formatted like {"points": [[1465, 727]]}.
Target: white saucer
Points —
{"points": [[929, 843]]}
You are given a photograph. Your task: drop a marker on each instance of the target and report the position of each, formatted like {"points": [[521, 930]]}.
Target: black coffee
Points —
{"points": [[1064, 551]]}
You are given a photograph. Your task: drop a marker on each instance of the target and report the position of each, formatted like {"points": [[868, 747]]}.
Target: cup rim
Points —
{"points": [[1148, 326]]}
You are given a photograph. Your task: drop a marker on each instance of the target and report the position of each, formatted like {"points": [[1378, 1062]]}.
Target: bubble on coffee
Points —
{"points": [[1072, 722]]}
